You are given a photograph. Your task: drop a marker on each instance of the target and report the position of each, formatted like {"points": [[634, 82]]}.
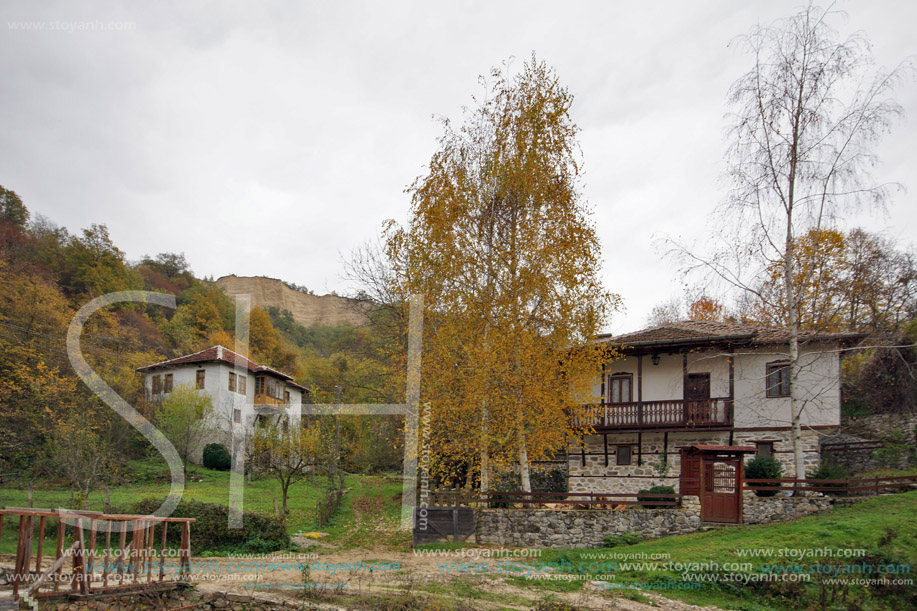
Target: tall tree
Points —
{"points": [[808, 116], [186, 418], [501, 246], [854, 281], [12, 209]]}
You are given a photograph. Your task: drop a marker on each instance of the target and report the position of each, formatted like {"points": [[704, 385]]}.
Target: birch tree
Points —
{"points": [[501, 246], [807, 119]]}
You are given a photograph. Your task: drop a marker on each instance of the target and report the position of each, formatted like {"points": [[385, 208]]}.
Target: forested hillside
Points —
{"points": [[52, 422]]}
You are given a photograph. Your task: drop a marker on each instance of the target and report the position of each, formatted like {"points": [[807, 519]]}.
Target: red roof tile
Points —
{"points": [[704, 331], [220, 354]]}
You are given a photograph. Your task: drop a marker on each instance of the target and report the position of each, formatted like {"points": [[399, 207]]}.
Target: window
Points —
{"points": [[237, 415], [232, 381], [623, 455], [286, 397], [259, 386], [778, 379], [619, 388], [200, 379], [242, 384], [167, 383], [157, 384], [765, 448]]}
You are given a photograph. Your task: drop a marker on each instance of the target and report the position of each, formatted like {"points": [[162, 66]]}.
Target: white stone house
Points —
{"points": [[695, 388], [243, 392]]}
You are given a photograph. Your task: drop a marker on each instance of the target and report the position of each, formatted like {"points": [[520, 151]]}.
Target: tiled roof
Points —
{"points": [[705, 331], [221, 354]]}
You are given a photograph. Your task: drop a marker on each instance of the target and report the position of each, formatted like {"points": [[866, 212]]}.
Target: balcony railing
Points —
{"points": [[659, 414]]}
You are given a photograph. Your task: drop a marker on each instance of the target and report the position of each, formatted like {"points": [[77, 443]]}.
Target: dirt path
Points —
{"points": [[347, 575]]}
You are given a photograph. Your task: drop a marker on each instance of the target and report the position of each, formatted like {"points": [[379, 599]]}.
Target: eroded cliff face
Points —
{"points": [[306, 309]]}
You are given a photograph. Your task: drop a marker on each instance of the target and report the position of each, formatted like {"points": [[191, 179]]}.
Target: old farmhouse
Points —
{"points": [[694, 388], [243, 392]]}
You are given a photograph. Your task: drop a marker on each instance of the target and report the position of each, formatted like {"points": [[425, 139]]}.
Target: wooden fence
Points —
{"points": [[452, 497], [854, 487], [132, 564]]}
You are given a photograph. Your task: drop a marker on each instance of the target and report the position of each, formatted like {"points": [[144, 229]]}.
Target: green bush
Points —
{"points": [[553, 479], [830, 470], [764, 467], [211, 532], [894, 452], [650, 504], [623, 539], [217, 457]]}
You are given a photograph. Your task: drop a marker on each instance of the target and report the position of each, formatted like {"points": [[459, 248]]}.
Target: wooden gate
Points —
{"points": [[721, 490], [438, 524], [714, 473]]}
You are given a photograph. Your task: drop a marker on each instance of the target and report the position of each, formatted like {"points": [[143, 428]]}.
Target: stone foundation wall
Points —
{"points": [[629, 479], [171, 599], [765, 509], [560, 529], [565, 529]]}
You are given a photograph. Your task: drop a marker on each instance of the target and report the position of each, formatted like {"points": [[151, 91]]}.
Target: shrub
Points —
{"points": [[830, 470], [764, 467], [650, 504], [894, 452], [211, 532], [622, 539], [217, 457], [551, 479]]}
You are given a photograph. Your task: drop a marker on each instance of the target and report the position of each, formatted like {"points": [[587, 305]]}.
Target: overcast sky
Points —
{"points": [[270, 138]]}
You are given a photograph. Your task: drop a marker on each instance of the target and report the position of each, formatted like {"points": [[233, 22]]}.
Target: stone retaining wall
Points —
{"points": [[581, 528], [560, 529], [882, 426]]}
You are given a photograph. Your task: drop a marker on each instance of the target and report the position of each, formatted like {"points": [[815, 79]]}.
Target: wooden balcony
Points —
{"points": [[661, 415]]}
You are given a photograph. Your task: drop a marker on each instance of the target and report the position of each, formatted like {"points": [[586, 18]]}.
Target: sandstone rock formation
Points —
{"points": [[306, 309]]}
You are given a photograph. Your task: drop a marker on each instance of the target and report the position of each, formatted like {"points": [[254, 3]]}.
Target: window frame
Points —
{"points": [[167, 383], [242, 385], [156, 384], [619, 378], [232, 381], [200, 379], [780, 369]]}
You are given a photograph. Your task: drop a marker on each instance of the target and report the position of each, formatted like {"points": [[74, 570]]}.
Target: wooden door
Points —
{"points": [[721, 490], [697, 398], [690, 472]]}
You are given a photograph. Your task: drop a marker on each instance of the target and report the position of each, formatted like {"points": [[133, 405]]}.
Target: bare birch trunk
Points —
{"points": [[524, 458]]}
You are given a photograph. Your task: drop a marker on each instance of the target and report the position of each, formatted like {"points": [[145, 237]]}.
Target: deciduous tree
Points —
{"points": [[288, 453], [807, 118], [186, 418], [501, 246]]}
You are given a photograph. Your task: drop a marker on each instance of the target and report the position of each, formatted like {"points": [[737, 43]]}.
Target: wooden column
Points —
{"points": [[640, 389], [79, 562], [684, 387]]}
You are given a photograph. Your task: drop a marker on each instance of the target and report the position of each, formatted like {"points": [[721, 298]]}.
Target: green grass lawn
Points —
{"points": [[885, 527], [368, 496]]}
